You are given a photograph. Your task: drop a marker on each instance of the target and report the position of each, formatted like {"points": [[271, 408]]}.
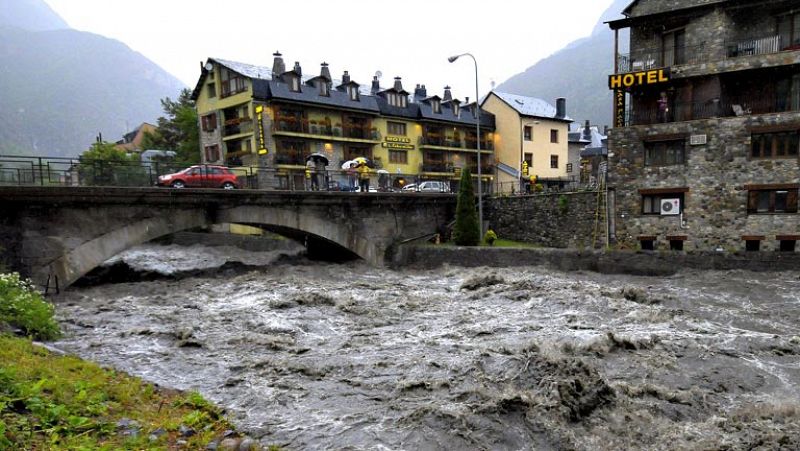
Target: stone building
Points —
{"points": [[704, 150]]}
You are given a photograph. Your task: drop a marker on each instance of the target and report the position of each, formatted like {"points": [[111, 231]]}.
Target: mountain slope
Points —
{"points": [[63, 87], [32, 15], [579, 72]]}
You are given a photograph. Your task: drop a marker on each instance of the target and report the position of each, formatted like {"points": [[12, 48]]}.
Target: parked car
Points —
{"points": [[201, 176], [430, 186]]}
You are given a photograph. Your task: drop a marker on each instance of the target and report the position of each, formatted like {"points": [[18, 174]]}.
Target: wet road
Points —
{"points": [[324, 356]]}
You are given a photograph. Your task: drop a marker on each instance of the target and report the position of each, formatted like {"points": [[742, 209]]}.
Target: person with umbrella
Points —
{"points": [[363, 176], [319, 162]]}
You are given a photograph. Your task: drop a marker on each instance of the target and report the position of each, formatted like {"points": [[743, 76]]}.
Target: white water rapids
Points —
{"points": [[326, 356]]}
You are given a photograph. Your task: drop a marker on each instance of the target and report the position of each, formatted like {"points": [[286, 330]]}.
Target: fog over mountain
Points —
{"points": [[61, 87], [579, 72]]}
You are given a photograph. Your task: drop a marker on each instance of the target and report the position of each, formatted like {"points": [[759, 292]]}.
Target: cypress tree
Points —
{"points": [[466, 231]]}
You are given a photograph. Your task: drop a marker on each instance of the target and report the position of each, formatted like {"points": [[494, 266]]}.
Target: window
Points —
{"points": [[324, 89], [211, 89], [553, 136], [295, 83], [529, 159], [775, 145], [398, 156], [569, 167], [456, 110], [665, 153], [232, 83], [353, 92], [212, 153], [676, 245], [351, 152], [789, 30], [673, 48], [209, 122], [436, 106], [290, 152], [528, 133], [752, 243], [647, 243], [772, 199], [396, 128], [787, 243], [553, 161], [651, 200]]}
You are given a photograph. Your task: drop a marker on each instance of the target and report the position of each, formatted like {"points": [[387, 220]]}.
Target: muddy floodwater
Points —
{"points": [[327, 356]]}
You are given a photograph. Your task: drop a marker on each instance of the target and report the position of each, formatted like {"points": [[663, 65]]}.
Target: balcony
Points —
{"points": [[335, 130], [293, 158], [731, 107], [654, 58], [453, 143], [237, 126], [436, 167], [756, 46]]}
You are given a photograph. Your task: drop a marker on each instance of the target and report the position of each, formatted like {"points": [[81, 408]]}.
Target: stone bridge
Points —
{"points": [[62, 233]]}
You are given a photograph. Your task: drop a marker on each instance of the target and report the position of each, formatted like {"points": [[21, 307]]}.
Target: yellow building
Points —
{"points": [[274, 118], [530, 131]]}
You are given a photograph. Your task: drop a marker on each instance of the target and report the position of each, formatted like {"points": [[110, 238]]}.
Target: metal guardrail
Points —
{"points": [[57, 171], [657, 57]]}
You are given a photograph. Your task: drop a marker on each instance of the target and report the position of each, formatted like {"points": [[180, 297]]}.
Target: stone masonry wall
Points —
{"points": [[715, 174], [550, 220], [647, 7]]}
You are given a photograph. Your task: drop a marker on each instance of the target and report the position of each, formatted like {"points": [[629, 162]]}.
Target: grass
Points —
{"points": [[63, 403]]}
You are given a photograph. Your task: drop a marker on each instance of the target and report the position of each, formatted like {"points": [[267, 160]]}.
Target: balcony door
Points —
{"points": [[673, 50]]}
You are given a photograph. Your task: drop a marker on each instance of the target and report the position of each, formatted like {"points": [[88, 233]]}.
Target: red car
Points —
{"points": [[201, 176]]}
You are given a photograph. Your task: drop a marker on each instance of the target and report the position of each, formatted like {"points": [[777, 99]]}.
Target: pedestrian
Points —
{"points": [[490, 237], [663, 107], [309, 178], [320, 173], [363, 177]]}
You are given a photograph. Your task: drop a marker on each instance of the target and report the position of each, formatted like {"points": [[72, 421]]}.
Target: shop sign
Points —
{"points": [[619, 108]]}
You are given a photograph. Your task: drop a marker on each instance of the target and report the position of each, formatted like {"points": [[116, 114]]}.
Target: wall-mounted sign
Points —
{"points": [[644, 78], [619, 108], [397, 143], [262, 144], [698, 140]]}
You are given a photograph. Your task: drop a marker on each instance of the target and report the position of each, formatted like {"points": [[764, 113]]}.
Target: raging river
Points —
{"points": [[310, 355]]}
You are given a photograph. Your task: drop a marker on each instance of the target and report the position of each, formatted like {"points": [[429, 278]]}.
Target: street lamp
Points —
{"points": [[478, 131]]}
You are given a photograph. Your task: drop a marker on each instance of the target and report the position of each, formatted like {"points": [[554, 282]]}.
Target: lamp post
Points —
{"points": [[478, 137]]}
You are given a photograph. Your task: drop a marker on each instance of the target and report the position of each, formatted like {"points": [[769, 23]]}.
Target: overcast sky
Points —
{"points": [[407, 38]]}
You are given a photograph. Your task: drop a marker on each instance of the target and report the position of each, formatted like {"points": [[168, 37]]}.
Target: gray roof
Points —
{"points": [[448, 114], [530, 106], [310, 95]]}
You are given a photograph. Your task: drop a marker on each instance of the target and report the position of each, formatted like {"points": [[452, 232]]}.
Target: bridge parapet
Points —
{"points": [[58, 232]]}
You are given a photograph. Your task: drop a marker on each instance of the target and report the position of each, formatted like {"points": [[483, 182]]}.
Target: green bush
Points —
{"points": [[22, 306], [466, 231]]}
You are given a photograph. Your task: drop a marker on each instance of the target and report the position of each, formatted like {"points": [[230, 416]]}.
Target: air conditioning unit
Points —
{"points": [[670, 207]]}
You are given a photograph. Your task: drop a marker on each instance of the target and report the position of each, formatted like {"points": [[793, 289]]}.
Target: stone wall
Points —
{"points": [[617, 262], [557, 220], [715, 175], [648, 7]]}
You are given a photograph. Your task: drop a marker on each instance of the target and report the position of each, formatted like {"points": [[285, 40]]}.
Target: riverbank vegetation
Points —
{"points": [[50, 401]]}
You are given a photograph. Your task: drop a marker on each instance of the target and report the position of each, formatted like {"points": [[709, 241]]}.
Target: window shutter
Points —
{"points": [[791, 201], [752, 201]]}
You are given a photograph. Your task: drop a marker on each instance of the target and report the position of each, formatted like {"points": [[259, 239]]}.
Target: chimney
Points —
{"points": [[325, 72], [277, 65], [376, 85], [297, 68], [605, 130], [447, 94], [587, 131], [561, 108], [466, 100], [420, 93], [345, 77], [398, 85]]}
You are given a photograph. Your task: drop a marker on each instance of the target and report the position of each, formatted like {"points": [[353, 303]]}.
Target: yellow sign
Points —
{"points": [[398, 146], [645, 78], [525, 167], [619, 108], [262, 145], [395, 139]]}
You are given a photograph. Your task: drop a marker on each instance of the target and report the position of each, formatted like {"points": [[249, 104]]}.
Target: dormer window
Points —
{"points": [[456, 110], [436, 106], [352, 91], [403, 100], [295, 83], [324, 89]]}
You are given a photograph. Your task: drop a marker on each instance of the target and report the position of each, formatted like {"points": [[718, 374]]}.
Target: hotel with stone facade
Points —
{"points": [[704, 150], [271, 119]]}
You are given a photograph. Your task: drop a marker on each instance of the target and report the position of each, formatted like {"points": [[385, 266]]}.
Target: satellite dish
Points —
{"points": [[209, 66], [379, 74]]}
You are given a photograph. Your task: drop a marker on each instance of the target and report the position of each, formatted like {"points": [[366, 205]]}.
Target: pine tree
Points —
{"points": [[466, 231]]}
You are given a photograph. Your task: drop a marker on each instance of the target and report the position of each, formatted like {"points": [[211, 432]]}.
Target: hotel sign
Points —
{"points": [[619, 108], [397, 143], [644, 78], [262, 145]]}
